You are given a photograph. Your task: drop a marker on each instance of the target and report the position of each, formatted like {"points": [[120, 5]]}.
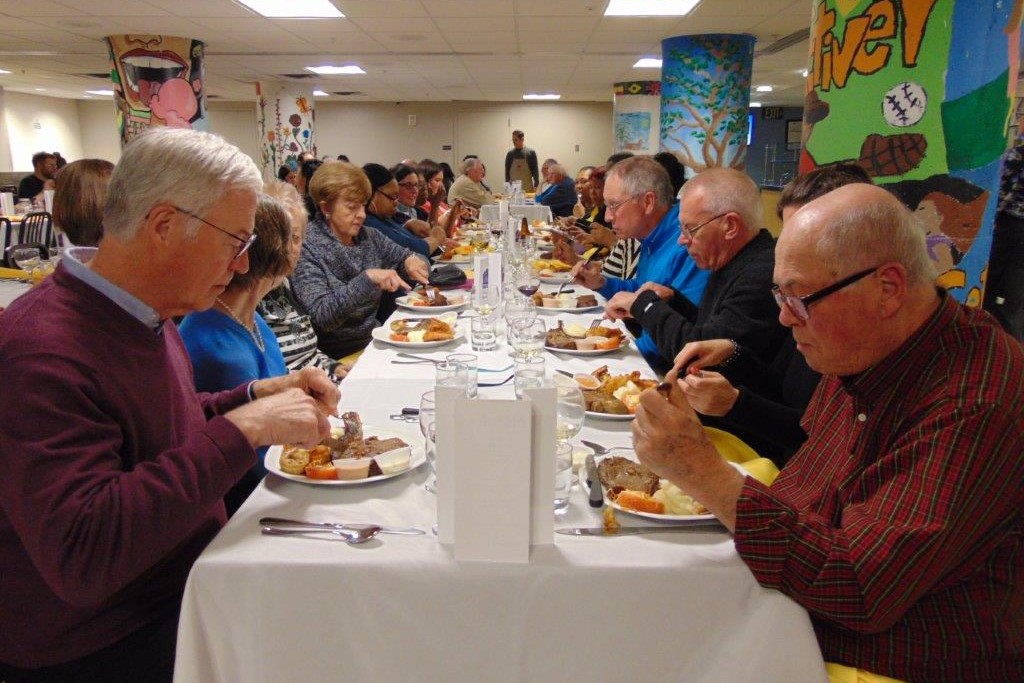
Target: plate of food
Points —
{"points": [[419, 333], [552, 271], [612, 397], [632, 488], [353, 455], [566, 302], [432, 299], [578, 340]]}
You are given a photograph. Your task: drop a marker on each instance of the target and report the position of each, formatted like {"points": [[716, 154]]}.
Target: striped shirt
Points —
{"points": [[622, 260], [294, 331], [899, 524]]}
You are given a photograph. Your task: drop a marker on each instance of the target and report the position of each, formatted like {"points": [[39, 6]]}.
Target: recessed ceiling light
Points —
{"points": [[320, 93], [803, 72], [40, 89], [648, 63], [541, 96], [329, 70], [105, 93], [764, 88], [755, 104], [4, 71], [293, 8], [649, 8]]}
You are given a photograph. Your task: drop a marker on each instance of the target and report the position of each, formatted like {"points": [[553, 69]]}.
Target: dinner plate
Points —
{"points": [[554, 311], [404, 302], [273, 457], [556, 279], [383, 334], [648, 515], [610, 417], [588, 352], [457, 259]]}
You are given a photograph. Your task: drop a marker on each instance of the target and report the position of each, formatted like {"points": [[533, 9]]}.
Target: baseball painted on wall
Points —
{"points": [[904, 104]]}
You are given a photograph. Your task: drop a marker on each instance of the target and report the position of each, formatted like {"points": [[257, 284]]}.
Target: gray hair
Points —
{"points": [[725, 190], [470, 163], [187, 168], [557, 169], [642, 174], [871, 233]]}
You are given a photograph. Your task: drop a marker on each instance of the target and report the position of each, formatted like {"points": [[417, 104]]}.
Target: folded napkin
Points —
{"points": [[14, 274], [734, 449]]}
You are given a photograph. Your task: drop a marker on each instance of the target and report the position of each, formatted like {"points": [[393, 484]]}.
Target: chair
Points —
{"points": [[13, 189], [37, 226], [6, 237]]}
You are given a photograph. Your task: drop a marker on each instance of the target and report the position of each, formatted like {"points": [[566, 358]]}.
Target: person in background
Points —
{"points": [[639, 202], [521, 163], [44, 167], [343, 157], [409, 186], [279, 308], [60, 160], [286, 174], [307, 169], [676, 171], [616, 158], [560, 194], [306, 155], [230, 343], [1004, 288], [382, 214], [468, 187], [733, 389], [345, 267], [449, 176], [548, 163], [115, 468], [79, 194], [898, 523]]}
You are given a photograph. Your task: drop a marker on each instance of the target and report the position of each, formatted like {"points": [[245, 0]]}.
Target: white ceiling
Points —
{"points": [[412, 50]]}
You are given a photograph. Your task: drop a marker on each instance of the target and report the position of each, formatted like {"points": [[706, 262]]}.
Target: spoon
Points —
{"points": [[350, 536], [604, 450]]}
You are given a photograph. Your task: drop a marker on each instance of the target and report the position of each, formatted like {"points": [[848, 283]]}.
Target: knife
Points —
{"points": [[594, 483], [712, 528], [322, 526]]}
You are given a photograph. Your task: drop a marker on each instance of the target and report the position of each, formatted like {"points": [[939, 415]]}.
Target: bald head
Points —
{"points": [[860, 226], [727, 190]]}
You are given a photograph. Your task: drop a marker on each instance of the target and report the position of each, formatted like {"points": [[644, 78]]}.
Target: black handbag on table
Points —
{"points": [[447, 276]]}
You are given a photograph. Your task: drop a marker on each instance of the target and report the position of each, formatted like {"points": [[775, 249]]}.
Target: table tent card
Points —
{"points": [[7, 203], [495, 474], [487, 277]]}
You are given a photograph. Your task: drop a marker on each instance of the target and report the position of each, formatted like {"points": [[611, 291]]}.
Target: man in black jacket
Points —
{"points": [[719, 219]]}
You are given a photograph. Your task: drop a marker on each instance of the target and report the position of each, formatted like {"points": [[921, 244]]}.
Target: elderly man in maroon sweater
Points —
{"points": [[114, 468]]}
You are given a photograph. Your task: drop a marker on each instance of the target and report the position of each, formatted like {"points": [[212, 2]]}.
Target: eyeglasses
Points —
{"points": [[243, 244], [614, 206], [798, 304], [393, 198], [693, 231], [409, 186]]}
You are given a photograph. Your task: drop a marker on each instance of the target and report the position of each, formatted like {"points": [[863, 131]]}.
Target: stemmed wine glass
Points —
{"points": [[428, 418], [528, 336], [28, 259], [527, 282]]}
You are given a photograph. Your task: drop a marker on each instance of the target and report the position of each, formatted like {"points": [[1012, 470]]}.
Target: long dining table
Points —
{"points": [[662, 607]]}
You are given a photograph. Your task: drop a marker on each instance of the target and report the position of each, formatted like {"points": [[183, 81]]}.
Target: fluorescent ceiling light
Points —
{"points": [[649, 8], [803, 72], [764, 88], [329, 70], [4, 71], [40, 89], [648, 63], [293, 8], [755, 104], [107, 93], [541, 96], [320, 93]]}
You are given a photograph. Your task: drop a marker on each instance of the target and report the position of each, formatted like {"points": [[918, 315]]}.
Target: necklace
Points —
{"points": [[253, 332]]}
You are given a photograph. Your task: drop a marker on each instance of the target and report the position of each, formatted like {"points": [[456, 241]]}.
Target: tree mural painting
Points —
{"points": [[705, 96]]}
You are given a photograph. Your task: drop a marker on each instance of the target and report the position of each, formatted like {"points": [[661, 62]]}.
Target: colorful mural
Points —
{"points": [[632, 129], [705, 96], [918, 94], [158, 81], [285, 122], [636, 111]]}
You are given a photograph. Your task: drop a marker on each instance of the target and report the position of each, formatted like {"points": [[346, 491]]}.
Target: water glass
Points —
{"points": [[570, 406], [563, 476], [528, 335], [483, 332], [529, 374], [479, 240], [428, 417], [470, 361], [452, 374]]}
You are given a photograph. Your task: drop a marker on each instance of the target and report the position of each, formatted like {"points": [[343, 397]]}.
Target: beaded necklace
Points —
{"points": [[253, 332]]}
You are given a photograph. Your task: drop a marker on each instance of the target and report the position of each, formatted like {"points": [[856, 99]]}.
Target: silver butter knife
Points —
{"points": [[327, 526], [634, 530]]}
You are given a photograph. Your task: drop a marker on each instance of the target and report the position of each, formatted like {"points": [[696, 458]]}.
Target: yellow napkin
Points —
{"points": [[15, 273], [840, 673], [734, 449]]}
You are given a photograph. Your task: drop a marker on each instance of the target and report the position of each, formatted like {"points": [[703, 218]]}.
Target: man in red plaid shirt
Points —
{"points": [[899, 524]]}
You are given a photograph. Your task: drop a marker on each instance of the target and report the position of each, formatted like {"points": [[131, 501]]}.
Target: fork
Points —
{"points": [[604, 450]]}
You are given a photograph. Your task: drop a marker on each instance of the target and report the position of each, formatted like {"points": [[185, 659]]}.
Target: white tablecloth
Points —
{"points": [[11, 290], [663, 607], [533, 212]]}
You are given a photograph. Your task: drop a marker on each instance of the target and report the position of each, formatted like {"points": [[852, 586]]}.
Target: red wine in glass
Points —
{"points": [[529, 289]]}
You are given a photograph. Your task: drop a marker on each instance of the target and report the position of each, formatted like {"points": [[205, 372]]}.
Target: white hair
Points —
{"points": [[725, 190], [190, 169]]}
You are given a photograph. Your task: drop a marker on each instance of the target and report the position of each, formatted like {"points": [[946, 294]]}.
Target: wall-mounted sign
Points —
{"points": [[771, 113]]}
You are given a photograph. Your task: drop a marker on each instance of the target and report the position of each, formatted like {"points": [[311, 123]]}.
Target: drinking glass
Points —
{"points": [[483, 332], [518, 308], [485, 301], [528, 336], [428, 416], [470, 361], [479, 240], [527, 282], [28, 259], [452, 374], [529, 374], [563, 476], [571, 408]]}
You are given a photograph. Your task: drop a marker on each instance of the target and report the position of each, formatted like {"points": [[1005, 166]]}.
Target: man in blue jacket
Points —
{"points": [[639, 203]]}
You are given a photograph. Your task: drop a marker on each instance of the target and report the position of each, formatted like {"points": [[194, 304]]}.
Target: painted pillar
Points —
{"points": [[917, 92], [637, 112], [284, 121], [158, 81], [705, 99]]}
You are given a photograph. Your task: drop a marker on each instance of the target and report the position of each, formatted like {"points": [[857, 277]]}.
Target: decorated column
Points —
{"points": [[637, 111], [918, 94], [705, 97], [158, 81], [285, 124]]}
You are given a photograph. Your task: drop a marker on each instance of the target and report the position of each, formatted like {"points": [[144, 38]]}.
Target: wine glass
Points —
{"points": [[485, 301], [428, 418], [28, 259], [516, 308], [479, 240], [571, 408], [528, 336], [527, 282]]}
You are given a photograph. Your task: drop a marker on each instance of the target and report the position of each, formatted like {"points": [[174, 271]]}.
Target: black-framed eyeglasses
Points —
{"points": [[798, 304], [393, 198], [409, 186], [615, 206], [243, 244], [693, 231]]}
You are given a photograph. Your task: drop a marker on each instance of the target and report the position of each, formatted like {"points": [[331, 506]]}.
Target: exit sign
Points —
{"points": [[771, 112]]}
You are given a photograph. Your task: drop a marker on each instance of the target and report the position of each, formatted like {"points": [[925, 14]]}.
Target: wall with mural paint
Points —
{"points": [[285, 120], [158, 81], [918, 94], [637, 116]]}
